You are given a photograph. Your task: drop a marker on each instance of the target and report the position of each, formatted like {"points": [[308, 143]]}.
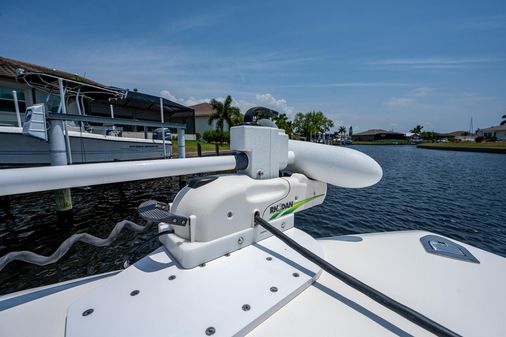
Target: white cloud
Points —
{"points": [[347, 85], [185, 101], [483, 23], [437, 62], [420, 92], [267, 100], [169, 95], [270, 101], [399, 102], [409, 99]]}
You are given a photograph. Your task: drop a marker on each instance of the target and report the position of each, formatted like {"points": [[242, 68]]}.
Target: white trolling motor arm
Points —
{"points": [[214, 215]]}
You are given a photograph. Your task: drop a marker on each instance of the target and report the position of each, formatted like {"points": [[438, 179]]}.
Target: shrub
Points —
{"points": [[478, 139], [209, 136], [214, 136]]}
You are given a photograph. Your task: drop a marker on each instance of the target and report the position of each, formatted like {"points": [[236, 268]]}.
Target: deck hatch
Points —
{"points": [[439, 245]]}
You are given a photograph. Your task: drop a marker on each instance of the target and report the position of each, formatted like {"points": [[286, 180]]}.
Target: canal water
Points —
{"points": [[458, 194]]}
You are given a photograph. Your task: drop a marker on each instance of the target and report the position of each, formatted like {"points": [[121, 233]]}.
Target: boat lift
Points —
{"points": [[80, 89]]}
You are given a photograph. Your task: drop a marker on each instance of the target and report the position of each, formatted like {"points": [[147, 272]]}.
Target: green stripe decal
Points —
{"points": [[294, 207]]}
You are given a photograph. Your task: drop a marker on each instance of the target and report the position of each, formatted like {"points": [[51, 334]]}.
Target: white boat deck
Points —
{"points": [[466, 297]]}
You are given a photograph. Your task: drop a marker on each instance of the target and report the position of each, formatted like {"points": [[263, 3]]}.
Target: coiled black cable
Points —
{"points": [[372, 293]]}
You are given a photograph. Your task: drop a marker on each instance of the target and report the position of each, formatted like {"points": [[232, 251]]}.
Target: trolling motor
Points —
{"points": [[211, 217], [215, 215]]}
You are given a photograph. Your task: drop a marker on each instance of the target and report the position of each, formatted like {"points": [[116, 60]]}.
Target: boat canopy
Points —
{"points": [[147, 102], [77, 86]]}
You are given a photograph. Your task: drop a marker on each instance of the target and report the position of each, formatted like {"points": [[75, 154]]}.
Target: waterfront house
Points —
{"points": [[462, 136], [377, 134], [498, 131], [202, 113], [135, 105]]}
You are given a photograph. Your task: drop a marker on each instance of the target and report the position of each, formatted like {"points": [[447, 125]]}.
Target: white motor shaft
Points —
{"points": [[335, 165]]}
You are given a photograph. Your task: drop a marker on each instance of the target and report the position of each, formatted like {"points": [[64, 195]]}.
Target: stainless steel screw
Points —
{"points": [[240, 240], [283, 225]]}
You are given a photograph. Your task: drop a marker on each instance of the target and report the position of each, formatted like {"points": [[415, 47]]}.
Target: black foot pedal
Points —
{"points": [[156, 212]]}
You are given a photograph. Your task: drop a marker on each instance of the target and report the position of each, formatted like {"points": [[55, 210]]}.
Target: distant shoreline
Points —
{"points": [[470, 147], [382, 142]]}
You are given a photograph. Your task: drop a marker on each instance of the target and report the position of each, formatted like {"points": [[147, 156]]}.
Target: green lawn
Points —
{"points": [[191, 147], [498, 147], [383, 142]]}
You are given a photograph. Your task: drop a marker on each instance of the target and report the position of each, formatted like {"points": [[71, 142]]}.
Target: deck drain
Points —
{"points": [[171, 277], [246, 307], [134, 293], [210, 331], [274, 289]]}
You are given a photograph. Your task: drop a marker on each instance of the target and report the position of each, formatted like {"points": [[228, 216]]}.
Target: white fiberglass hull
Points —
{"points": [[466, 297], [17, 149]]}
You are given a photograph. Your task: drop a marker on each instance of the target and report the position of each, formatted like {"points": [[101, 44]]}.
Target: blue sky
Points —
{"points": [[370, 64]]}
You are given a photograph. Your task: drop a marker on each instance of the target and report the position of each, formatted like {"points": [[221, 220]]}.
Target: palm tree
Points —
{"points": [[504, 120], [224, 112], [342, 131], [417, 130]]}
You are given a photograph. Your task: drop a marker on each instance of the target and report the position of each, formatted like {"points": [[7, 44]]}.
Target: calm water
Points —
{"points": [[458, 194]]}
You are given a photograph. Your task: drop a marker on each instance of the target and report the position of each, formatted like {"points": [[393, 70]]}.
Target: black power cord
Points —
{"points": [[372, 293], [131, 256]]}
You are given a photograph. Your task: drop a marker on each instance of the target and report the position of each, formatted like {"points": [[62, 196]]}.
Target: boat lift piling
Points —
{"points": [[16, 105], [58, 155], [181, 153], [162, 119], [112, 115]]}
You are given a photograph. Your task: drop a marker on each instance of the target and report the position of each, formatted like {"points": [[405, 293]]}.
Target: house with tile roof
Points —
{"points": [[202, 113], [131, 104], [498, 131]]}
